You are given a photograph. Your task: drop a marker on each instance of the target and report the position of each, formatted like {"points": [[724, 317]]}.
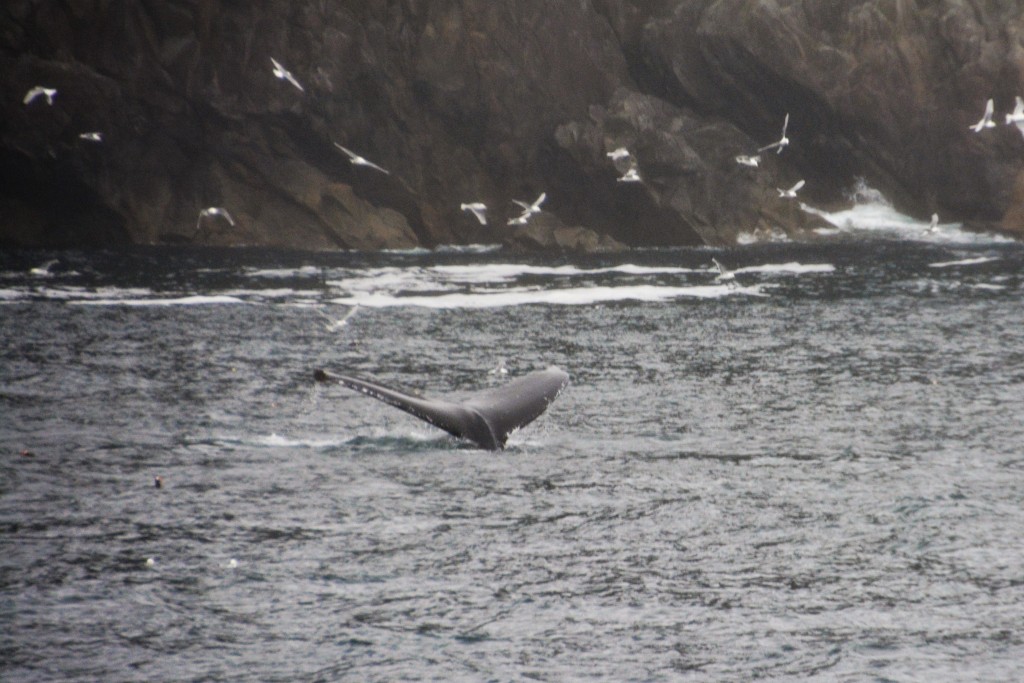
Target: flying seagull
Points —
{"points": [[94, 136], [782, 142], [745, 160], [479, 210], [724, 273], [39, 90], [1018, 112], [212, 211], [986, 119], [285, 75], [791, 192], [618, 153], [530, 209], [360, 161], [1017, 117], [336, 325], [630, 176]]}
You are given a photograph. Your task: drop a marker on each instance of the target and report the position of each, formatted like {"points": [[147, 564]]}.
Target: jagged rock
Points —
{"points": [[474, 100], [547, 233]]}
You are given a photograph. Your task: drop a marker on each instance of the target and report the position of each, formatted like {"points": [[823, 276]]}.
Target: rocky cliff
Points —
{"points": [[481, 101]]}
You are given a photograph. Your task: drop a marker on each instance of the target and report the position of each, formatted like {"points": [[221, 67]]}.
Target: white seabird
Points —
{"points": [[724, 273], [285, 75], [43, 270], [213, 211], [791, 192], [781, 142], [1018, 112], [986, 119], [94, 136], [38, 91], [361, 161], [618, 153], [500, 369], [530, 209], [479, 209], [745, 160], [934, 225], [336, 325], [1017, 117], [630, 176]]}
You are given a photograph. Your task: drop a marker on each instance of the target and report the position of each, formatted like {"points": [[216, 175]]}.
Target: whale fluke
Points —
{"points": [[486, 419]]}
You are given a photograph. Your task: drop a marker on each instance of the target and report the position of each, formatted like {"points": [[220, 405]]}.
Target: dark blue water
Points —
{"points": [[813, 472]]}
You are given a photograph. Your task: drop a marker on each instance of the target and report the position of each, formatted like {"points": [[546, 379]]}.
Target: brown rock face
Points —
{"points": [[475, 100]]}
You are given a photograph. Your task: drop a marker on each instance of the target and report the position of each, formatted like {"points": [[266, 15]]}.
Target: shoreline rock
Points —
{"points": [[470, 100]]}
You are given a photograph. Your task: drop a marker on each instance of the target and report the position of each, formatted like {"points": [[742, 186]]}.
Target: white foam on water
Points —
{"points": [[467, 248], [278, 293], [792, 268], [873, 214], [195, 300], [281, 273], [510, 271], [276, 440], [565, 297], [964, 262]]}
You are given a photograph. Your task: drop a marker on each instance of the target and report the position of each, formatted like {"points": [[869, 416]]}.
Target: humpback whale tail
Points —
{"points": [[486, 419]]}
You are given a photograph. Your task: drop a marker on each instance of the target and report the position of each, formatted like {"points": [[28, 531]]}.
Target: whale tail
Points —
{"points": [[486, 419]]}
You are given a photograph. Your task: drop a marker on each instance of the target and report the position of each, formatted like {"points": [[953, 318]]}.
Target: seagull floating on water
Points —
{"points": [[361, 161], [791, 192], [94, 136], [618, 153], [934, 226], [479, 210], [285, 75], [986, 119], [781, 142], [745, 160], [39, 91], [213, 211], [500, 369]]}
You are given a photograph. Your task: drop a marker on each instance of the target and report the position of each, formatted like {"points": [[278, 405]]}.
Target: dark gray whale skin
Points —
{"points": [[485, 419]]}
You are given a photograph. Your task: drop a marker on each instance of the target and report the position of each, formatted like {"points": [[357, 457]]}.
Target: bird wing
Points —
{"points": [[771, 146], [785, 125], [32, 94], [351, 155], [540, 200], [799, 184]]}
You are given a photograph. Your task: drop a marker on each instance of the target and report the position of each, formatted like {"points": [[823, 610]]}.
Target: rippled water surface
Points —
{"points": [[811, 471]]}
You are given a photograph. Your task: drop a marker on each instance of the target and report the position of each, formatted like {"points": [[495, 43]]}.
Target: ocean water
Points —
{"points": [[810, 471]]}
